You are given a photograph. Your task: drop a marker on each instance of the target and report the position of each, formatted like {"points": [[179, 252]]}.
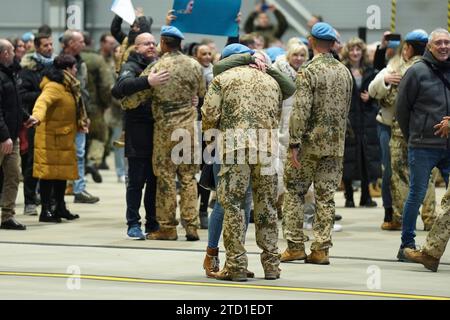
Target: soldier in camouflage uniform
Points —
{"points": [[234, 101], [100, 82], [316, 147], [173, 109], [436, 241]]}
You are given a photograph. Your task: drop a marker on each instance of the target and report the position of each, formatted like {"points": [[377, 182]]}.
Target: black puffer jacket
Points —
{"points": [[138, 122], [11, 113], [30, 79], [362, 143], [423, 100]]}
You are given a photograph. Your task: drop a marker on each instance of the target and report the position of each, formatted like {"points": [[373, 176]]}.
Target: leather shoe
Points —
{"points": [[95, 173], [12, 224], [349, 204]]}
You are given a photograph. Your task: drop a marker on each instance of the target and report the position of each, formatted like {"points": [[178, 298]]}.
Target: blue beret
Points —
{"points": [[170, 31], [27, 36], [304, 40], [393, 44], [323, 31], [236, 48], [417, 35], [275, 52]]}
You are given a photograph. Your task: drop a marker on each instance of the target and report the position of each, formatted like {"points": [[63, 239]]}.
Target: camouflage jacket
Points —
{"points": [[100, 81], [321, 105], [286, 84], [243, 98], [172, 102]]}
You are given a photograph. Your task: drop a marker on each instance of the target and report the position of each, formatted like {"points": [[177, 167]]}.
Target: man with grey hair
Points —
{"points": [[11, 119], [423, 101], [437, 239], [73, 44]]}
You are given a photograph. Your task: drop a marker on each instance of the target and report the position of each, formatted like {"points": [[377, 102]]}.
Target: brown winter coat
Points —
{"points": [[54, 143]]}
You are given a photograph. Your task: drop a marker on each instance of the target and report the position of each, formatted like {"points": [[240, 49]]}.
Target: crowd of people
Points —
{"points": [[342, 112]]}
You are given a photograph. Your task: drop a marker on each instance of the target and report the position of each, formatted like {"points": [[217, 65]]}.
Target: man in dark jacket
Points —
{"points": [[33, 66], [11, 119], [423, 101], [139, 135]]}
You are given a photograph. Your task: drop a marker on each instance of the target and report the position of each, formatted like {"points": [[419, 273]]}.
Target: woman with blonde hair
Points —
{"points": [[362, 149]]}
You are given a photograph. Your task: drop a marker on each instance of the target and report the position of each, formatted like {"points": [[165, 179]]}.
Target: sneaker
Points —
{"points": [[135, 233], [85, 197], [121, 179], [30, 210], [337, 228]]}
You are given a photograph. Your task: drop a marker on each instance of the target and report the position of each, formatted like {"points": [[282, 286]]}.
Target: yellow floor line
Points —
{"points": [[227, 285]]}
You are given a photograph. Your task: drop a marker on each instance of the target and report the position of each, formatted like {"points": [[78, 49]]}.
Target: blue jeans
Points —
{"points": [[80, 143], [119, 153], [384, 134], [216, 218], [421, 161]]}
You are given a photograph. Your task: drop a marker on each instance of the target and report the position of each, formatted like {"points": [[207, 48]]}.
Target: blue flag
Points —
{"points": [[215, 17]]}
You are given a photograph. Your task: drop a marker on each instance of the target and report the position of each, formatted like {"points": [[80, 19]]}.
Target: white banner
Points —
{"points": [[125, 10]]}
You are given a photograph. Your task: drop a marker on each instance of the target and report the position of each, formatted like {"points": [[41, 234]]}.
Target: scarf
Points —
{"points": [[46, 62], [74, 86]]}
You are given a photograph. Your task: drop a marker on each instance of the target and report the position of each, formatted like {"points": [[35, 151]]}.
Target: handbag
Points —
{"points": [[207, 180]]}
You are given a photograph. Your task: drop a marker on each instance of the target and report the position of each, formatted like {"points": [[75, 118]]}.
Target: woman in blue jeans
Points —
{"points": [[211, 262]]}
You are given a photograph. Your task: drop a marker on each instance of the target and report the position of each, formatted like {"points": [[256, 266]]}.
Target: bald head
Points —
{"points": [[145, 45], [6, 53]]}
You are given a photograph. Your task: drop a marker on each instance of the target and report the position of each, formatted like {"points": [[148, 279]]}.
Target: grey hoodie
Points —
{"points": [[423, 100]]}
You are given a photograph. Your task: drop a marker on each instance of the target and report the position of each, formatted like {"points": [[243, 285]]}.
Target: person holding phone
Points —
{"points": [[258, 21]]}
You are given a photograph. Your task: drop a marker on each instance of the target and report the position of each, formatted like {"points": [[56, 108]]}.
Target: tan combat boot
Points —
{"points": [[191, 234], [293, 254], [391, 226], [211, 263], [225, 274], [272, 274], [163, 234], [318, 257], [429, 262]]}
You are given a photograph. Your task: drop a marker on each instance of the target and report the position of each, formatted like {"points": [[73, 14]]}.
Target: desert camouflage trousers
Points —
{"points": [[439, 235], [234, 180], [400, 180], [326, 174], [166, 170]]}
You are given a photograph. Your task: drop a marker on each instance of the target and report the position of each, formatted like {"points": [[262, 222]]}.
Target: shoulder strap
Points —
{"points": [[438, 73]]}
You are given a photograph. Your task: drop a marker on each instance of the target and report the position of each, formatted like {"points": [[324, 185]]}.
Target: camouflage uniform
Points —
{"points": [[100, 82], [172, 109], [400, 179], [234, 101], [317, 128], [439, 235]]}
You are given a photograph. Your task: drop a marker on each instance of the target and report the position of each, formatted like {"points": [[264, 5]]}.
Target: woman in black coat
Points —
{"points": [[362, 149]]}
